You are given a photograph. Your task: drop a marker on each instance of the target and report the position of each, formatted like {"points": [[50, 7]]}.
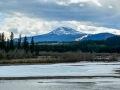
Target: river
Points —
{"points": [[63, 76]]}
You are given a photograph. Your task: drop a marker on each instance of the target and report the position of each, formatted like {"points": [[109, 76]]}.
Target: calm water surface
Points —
{"points": [[89, 82], [62, 84]]}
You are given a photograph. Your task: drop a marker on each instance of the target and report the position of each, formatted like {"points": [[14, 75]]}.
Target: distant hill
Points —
{"points": [[99, 36], [64, 34]]}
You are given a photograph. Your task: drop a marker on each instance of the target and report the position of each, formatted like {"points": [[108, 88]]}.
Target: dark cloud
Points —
{"points": [[100, 16]]}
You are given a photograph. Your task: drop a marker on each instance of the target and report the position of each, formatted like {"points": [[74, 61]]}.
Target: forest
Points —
{"points": [[109, 45], [10, 49]]}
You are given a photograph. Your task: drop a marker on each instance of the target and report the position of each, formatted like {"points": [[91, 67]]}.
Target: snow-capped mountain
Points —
{"points": [[60, 34], [65, 31], [68, 34]]}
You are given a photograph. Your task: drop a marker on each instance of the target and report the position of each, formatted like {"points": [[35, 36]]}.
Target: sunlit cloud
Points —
{"points": [[38, 17], [97, 3], [110, 7], [82, 5], [30, 27]]}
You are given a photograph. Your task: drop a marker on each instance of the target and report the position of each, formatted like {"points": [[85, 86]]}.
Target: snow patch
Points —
{"points": [[78, 39], [65, 31]]}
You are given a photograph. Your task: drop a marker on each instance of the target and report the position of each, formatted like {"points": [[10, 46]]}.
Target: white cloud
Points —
{"points": [[76, 1], [35, 18], [81, 5], [62, 3], [87, 27], [96, 3], [110, 7], [68, 2], [33, 26], [25, 26]]}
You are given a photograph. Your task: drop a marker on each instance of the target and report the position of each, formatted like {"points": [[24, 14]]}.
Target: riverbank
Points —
{"points": [[36, 61], [56, 77], [67, 57]]}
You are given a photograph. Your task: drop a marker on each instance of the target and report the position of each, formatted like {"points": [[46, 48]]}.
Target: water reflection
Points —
{"points": [[70, 76]]}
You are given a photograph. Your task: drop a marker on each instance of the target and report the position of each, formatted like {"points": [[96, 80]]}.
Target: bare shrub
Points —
{"points": [[2, 54], [19, 54]]}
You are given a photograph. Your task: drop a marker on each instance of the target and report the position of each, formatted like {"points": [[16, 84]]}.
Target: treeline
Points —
{"points": [[109, 45], [10, 44], [21, 48], [9, 49]]}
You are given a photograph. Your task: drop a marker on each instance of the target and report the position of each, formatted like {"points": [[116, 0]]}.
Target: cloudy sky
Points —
{"points": [[35, 17]]}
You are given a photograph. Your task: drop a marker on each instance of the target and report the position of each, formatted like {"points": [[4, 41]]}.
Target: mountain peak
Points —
{"points": [[65, 31]]}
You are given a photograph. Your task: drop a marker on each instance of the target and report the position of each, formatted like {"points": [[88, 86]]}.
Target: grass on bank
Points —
{"points": [[55, 57]]}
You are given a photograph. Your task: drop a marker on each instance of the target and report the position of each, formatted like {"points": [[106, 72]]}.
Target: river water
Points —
{"points": [[65, 76]]}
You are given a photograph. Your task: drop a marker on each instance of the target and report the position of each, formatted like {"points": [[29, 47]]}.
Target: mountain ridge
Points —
{"points": [[64, 34], [65, 30]]}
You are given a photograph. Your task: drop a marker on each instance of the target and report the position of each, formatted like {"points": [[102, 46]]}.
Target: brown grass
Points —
{"points": [[55, 57]]}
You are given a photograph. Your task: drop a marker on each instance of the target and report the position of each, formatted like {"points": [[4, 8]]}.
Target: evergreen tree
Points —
{"points": [[25, 44], [37, 50], [19, 42], [3, 45], [0, 37], [11, 41], [32, 45], [0, 41], [8, 45]]}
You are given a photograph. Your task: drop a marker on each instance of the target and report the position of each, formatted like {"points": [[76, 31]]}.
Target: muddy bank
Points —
{"points": [[56, 77]]}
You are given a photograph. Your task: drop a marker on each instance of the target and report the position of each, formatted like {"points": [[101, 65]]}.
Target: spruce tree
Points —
{"points": [[0, 41], [37, 50], [19, 42], [12, 41], [32, 45], [8, 45], [25, 44], [3, 45]]}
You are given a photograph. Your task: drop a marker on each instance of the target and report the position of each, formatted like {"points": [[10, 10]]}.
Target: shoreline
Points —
{"points": [[19, 64], [37, 61], [56, 77]]}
